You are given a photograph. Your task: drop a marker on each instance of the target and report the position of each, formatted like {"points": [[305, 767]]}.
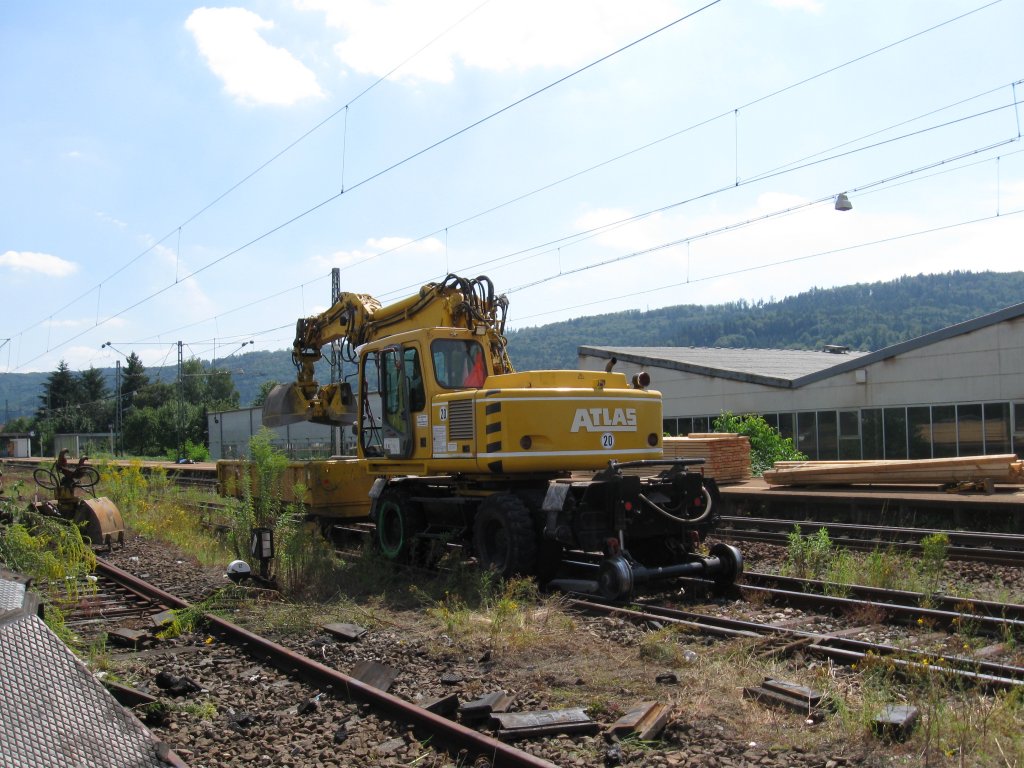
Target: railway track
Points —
{"points": [[977, 546], [125, 595], [844, 650]]}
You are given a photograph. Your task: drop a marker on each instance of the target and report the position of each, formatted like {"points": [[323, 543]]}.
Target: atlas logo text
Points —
{"points": [[604, 420]]}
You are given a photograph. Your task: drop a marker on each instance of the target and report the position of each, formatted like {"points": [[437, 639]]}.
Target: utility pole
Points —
{"points": [[118, 413], [336, 369], [181, 402]]}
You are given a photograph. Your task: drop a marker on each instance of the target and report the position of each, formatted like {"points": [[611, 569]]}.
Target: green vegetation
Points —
{"points": [[766, 444], [865, 316], [51, 553], [816, 557], [159, 419]]}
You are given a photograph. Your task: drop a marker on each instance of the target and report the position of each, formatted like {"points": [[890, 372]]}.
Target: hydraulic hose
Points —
{"points": [[685, 520]]}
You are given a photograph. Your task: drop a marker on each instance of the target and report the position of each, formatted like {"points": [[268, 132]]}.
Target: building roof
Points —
{"points": [[786, 368], [772, 367]]}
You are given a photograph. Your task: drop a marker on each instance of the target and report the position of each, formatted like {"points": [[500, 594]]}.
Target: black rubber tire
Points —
{"points": [[504, 538], [399, 520]]}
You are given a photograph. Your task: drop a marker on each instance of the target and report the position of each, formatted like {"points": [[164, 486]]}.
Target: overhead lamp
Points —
{"points": [[843, 202]]}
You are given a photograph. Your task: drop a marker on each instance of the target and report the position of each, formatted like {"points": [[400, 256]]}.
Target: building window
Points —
{"points": [[786, 426], [670, 427], [895, 421], [807, 434], [849, 435], [944, 440], [971, 441], [828, 436], [919, 431], [1018, 429], [997, 428], [872, 432]]}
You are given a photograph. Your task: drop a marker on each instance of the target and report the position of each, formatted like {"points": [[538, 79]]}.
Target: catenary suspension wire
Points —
{"points": [[576, 237], [265, 164], [739, 225], [333, 197], [781, 262], [373, 176], [703, 123], [904, 177]]}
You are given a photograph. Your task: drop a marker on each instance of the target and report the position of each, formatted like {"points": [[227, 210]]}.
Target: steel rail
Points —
{"points": [[969, 554], [955, 536], [987, 675], [971, 607], [448, 732]]}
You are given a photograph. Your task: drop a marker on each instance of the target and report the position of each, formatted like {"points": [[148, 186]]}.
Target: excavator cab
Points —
{"points": [[391, 381]]}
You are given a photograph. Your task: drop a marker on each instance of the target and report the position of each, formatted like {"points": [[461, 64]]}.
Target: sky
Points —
{"points": [[172, 172]]}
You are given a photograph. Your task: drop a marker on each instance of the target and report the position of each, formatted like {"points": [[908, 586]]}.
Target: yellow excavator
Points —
{"points": [[453, 445]]}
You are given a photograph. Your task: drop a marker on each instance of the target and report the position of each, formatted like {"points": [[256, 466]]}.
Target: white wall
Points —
{"points": [[230, 432], [983, 365]]}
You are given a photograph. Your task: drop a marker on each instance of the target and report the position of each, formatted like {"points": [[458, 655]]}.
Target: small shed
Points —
{"points": [[16, 445]]}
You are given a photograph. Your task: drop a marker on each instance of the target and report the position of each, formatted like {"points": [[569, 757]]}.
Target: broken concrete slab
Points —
{"points": [[446, 706], [127, 638], [524, 725], [350, 633], [896, 721], [374, 674], [645, 719], [482, 708]]}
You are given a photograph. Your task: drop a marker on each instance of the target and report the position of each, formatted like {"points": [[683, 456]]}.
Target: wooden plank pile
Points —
{"points": [[727, 454], [1004, 469]]}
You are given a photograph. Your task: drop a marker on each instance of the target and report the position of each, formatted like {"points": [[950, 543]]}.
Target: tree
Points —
{"points": [[94, 400], [60, 391], [133, 378]]}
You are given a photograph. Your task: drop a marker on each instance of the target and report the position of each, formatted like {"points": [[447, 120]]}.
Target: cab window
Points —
{"points": [[458, 363]]}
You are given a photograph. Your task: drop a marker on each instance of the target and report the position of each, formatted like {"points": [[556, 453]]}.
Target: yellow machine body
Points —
{"points": [[453, 445], [330, 488]]}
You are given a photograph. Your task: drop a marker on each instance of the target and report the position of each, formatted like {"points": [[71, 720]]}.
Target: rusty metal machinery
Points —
{"points": [[98, 517]]}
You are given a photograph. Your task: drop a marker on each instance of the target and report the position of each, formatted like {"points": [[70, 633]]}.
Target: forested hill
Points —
{"points": [[865, 317]]}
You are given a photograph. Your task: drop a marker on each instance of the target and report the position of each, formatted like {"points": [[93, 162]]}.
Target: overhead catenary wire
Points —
{"points": [[343, 109], [902, 177], [388, 169], [365, 180], [579, 236], [710, 120], [780, 262]]}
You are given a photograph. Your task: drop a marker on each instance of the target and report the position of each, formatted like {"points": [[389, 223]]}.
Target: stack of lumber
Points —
{"points": [[727, 455], [1005, 469]]}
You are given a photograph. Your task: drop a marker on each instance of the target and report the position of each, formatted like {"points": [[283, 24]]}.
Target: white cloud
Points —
{"points": [[379, 246], [528, 34], [253, 70], [44, 263], [810, 6], [106, 218]]}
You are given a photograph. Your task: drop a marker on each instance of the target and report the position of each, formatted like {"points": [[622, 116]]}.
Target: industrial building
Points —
{"points": [[958, 391], [230, 432]]}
